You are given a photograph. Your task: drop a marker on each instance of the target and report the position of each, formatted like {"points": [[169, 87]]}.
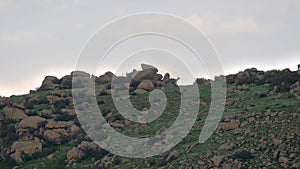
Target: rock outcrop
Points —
{"points": [[148, 78], [50, 83]]}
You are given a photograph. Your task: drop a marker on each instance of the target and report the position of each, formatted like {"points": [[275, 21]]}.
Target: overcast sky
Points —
{"points": [[45, 37]]}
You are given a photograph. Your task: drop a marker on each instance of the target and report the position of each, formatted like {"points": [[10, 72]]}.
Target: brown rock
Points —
{"points": [[50, 83], [296, 166], [74, 129], [147, 74], [52, 135], [127, 122], [283, 160], [169, 158], [4, 102], [106, 78], [74, 154], [69, 111], [50, 156], [105, 162], [231, 101], [276, 142], [217, 160], [251, 119], [233, 124], [295, 90], [140, 91], [51, 124], [146, 85], [19, 106], [31, 122], [47, 112], [53, 99], [84, 145], [172, 156], [227, 146], [17, 156], [200, 162], [28, 147], [15, 114], [117, 124]]}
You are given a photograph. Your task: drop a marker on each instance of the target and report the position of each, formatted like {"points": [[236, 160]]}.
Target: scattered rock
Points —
{"points": [[217, 160], [117, 124], [231, 101], [227, 146], [276, 142], [74, 154], [233, 124], [104, 162], [283, 160], [169, 158], [201, 163], [50, 156]]}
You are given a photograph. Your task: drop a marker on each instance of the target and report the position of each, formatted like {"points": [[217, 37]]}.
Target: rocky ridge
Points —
{"points": [[33, 123]]}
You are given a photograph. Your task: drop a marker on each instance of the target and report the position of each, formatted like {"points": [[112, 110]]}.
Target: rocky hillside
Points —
{"points": [[259, 129]]}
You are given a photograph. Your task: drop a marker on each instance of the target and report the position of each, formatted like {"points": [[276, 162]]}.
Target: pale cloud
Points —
{"points": [[20, 36], [240, 26], [5, 3], [213, 26]]}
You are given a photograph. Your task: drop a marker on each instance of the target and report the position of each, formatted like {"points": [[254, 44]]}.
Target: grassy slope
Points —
{"points": [[248, 102]]}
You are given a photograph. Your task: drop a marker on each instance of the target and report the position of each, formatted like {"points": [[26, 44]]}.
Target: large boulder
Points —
{"points": [[27, 147], [146, 85], [57, 131], [13, 113], [147, 74], [50, 83], [31, 122], [106, 78]]}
